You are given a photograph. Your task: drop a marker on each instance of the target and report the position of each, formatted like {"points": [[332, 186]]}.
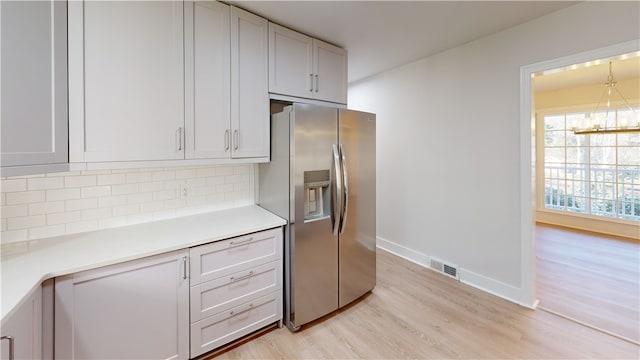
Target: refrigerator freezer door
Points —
{"points": [[313, 246], [357, 247]]}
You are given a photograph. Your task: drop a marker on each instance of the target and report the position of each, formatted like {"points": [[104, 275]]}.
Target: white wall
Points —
{"points": [[449, 142], [41, 206]]}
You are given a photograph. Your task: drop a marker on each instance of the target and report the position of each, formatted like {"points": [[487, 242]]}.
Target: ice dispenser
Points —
{"points": [[316, 194]]}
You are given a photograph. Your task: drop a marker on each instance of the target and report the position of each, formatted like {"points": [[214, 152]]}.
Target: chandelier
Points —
{"points": [[598, 122]]}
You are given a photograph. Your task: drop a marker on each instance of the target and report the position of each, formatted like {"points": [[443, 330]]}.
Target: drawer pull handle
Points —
{"points": [[240, 242], [234, 279], [241, 311], [11, 344]]}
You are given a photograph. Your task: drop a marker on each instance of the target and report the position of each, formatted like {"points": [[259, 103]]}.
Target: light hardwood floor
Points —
{"points": [[590, 277], [414, 312]]}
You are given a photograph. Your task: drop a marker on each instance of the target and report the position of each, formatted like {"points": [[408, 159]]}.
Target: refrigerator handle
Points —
{"points": [[345, 192], [337, 204]]}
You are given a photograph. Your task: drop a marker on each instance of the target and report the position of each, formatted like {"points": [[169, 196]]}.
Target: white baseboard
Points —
{"points": [[478, 281]]}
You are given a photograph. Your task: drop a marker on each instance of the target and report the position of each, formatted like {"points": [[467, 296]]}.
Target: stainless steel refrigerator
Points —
{"points": [[322, 179]]}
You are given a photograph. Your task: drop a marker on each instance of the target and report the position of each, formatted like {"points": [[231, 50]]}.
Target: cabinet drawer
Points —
{"points": [[222, 258], [232, 324], [214, 296]]}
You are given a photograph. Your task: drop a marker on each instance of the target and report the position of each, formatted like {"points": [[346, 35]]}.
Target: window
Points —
{"points": [[597, 174]]}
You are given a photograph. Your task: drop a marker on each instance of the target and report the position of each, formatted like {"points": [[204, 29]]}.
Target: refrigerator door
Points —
{"points": [[313, 246], [357, 247]]}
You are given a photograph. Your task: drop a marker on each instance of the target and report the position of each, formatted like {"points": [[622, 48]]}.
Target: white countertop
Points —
{"points": [[26, 265]]}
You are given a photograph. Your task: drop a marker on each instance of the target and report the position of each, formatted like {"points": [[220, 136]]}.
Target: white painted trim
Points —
{"points": [[294, 99], [467, 277], [527, 143], [404, 252]]}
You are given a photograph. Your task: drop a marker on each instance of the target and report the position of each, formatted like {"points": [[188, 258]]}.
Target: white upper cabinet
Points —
{"points": [[250, 119], [305, 67], [126, 79], [208, 77], [34, 87]]}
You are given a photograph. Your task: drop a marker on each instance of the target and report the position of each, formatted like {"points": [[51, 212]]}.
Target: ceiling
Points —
{"points": [[381, 35], [595, 72]]}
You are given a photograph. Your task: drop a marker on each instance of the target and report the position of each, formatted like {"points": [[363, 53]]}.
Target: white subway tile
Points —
{"points": [[3, 224], [81, 204], [46, 207], [110, 201], [11, 211], [163, 175], [164, 195], [206, 172], [14, 236], [126, 210], [80, 181], [152, 206], [112, 179], [139, 177], [13, 185], [186, 174], [63, 194], [124, 171], [3, 199], [232, 196], [173, 184], [25, 197], [152, 186], [64, 218], [101, 213], [82, 226], [175, 203], [215, 180], [164, 214], [224, 170], [243, 186], [241, 170], [224, 188], [204, 190], [96, 172], [66, 173], [232, 179], [196, 200], [25, 222], [45, 183], [124, 189], [95, 191], [215, 198], [197, 182], [139, 198], [46, 231]]}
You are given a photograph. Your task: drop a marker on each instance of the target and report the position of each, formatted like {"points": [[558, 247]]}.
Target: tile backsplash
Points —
{"points": [[40, 206]]}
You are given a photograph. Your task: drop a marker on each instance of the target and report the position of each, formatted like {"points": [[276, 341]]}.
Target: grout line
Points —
{"points": [[588, 325]]}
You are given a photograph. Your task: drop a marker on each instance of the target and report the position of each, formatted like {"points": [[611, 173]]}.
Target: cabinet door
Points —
{"points": [[134, 310], [330, 67], [25, 326], [34, 83], [249, 85], [290, 62], [133, 80], [208, 74]]}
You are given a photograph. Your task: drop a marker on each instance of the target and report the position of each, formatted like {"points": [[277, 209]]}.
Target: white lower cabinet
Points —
{"points": [[236, 288], [177, 305], [24, 327], [134, 310]]}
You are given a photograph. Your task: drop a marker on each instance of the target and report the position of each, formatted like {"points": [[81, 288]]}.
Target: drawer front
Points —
{"points": [[221, 294], [229, 325], [222, 258]]}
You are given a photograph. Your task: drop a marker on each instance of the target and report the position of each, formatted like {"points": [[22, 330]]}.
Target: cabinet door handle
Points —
{"points": [[311, 79], [317, 83], [234, 279], [248, 307], [179, 142], [234, 243], [11, 347], [236, 136], [226, 140], [184, 267]]}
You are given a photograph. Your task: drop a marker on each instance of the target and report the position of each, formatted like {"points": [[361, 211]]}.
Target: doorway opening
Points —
{"points": [[533, 199]]}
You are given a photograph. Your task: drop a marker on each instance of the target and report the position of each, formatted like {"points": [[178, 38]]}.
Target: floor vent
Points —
{"points": [[444, 268]]}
